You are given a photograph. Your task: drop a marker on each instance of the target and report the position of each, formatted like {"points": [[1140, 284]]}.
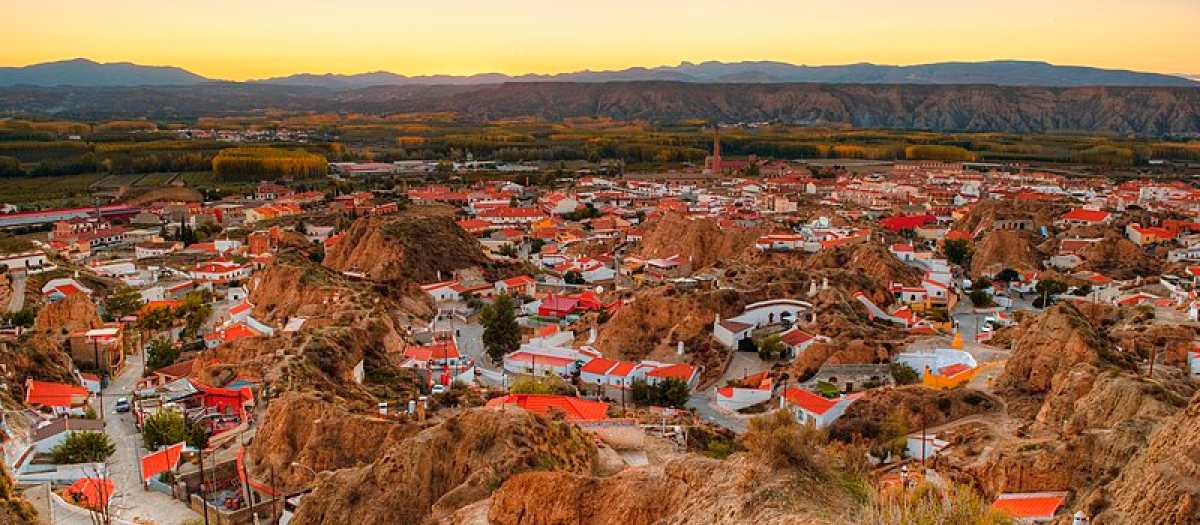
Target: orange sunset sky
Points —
{"points": [[241, 39]]}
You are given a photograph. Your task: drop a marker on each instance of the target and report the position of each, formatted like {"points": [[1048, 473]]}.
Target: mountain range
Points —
{"points": [[83, 72], [1144, 111]]}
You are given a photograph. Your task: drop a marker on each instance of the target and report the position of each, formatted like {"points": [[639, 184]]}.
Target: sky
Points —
{"points": [[244, 39]]}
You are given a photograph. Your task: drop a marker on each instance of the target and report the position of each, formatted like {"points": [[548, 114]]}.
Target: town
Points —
{"points": [[211, 359]]}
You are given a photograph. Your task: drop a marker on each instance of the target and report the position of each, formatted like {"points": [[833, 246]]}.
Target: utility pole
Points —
{"points": [[203, 493], [99, 368]]}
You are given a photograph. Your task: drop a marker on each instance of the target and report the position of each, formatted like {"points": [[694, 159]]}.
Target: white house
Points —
{"points": [[757, 315], [812, 408], [443, 291], [935, 360], [23, 261], [520, 285]]}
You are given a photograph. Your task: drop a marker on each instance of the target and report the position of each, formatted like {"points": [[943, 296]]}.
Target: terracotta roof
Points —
{"points": [[444, 350], [1083, 214], [953, 370], [574, 408], [681, 372], [735, 326], [49, 394], [795, 337], [598, 365], [1032, 505], [809, 401]]}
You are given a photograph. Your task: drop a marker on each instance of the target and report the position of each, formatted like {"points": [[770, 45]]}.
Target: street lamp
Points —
{"points": [[306, 467]]}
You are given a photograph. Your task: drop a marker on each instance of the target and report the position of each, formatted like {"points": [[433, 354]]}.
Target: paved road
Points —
{"points": [[131, 501], [18, 291], [703, 403]]}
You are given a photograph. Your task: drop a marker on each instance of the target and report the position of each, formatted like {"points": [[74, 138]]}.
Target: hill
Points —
{"points": [[84, 72], [1145, 111], [998, 72]]}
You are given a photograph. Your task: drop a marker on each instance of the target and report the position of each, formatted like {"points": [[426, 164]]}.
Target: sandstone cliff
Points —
{"points": [[304, 429], [702, 240], [687, 491], [409, 248], [446, 467]]}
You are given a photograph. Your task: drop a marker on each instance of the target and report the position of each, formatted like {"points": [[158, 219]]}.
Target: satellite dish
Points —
{"points": [[599, 289]]}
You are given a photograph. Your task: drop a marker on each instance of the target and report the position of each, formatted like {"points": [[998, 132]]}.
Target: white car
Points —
{"points": [[438, 389]]}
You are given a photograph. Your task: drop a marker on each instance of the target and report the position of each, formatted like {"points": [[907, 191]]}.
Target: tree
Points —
{"points": [[669, 392], [167, 427], [926, 503], [1046, 290], [980, 298], [160, 353], [892, 438], [501, 334], [771, 346], [83, 447], [508, 250], [1007, 275], [958, 251], [904, 374], [122, 302], [574, 277]]}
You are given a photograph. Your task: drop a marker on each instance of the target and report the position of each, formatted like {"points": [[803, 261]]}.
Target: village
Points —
{"points": [[571, 311]]}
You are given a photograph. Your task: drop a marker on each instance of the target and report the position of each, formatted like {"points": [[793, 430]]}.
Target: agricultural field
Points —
{"points": [[64, 190], [151, 180]]}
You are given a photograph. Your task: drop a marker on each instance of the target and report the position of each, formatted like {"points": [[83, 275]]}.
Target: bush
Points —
{"points": [[927, 504], [168, 428], [904, 374], [669, 392], [780, 442], [83, 447], [980, 298]]}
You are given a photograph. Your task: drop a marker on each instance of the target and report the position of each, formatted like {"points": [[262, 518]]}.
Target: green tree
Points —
{"points": [[1046, 290], [957, 251], [160, 353], [771, 346], [1007, 275], [167, 427], [122, 302], [508, 250], [980, 298], [574, 277], [669, 392], [83, 447], [501, 334], [904, 374]]}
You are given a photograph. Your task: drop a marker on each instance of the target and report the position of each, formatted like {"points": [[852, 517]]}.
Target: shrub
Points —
{"points": [[780, 442], [83, 447], [904, 374]]}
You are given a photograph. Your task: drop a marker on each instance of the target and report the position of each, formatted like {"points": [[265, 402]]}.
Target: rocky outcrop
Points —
{"points": [[1055, 343], [701, 240], [412, 247], [1001, 249], [687, 491], [918, 405], [1161, 484], [446, 467], [869, 259], [1118, 258], [305, 429]]}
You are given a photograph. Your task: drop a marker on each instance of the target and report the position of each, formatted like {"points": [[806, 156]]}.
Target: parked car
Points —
{"points": [[438, 389], [123, 405]]}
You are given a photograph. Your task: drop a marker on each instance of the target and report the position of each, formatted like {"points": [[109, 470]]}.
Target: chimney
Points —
{"points": [[1080, 519], [716, 157]]}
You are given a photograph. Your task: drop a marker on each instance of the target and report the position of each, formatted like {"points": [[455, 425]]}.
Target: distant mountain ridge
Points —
{"points": [[1143, 111], [1000, 72], [85, 73]]}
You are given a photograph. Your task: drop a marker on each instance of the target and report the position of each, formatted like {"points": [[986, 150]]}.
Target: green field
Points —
{"points": [[198, 179], [54, 191], [117, 181], [154, 180]]}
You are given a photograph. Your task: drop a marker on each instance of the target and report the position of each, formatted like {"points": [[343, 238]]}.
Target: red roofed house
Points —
{"points": [[557, 306], [237, 331], [1084, 217], [573, 408], [1031, 507], [809, 407], [682, 372], [521, 285], [56, 398], [440, 353], [900, 223]]}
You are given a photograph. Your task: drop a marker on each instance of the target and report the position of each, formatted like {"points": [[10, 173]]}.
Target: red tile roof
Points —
{"points": [[574, 408], [681, 372], [49, 394], [1030, 505], [1086, 215], [809, 401], [598, 365]]}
